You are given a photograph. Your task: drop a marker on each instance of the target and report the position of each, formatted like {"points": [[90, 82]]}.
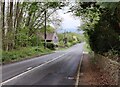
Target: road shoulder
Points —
{"points": [[90, 74]]}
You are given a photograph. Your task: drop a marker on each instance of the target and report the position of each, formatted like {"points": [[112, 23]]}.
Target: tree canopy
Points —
{"points": [[21, 21], [101, 25]]}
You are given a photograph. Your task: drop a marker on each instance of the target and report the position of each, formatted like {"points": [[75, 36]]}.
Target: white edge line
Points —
{"points": [[32, 69], [78, 73]]}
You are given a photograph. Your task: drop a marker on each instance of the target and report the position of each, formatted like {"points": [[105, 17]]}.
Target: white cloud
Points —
{"points": [[69, 23]]}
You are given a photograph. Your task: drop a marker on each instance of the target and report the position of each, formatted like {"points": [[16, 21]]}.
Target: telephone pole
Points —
{"points": [[45, 31]]}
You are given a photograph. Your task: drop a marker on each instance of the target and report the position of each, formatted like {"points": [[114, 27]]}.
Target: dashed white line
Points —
{"points": [[31, 69]]}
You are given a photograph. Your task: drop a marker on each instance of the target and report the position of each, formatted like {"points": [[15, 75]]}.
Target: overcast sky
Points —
{"points": [[69, 22]]}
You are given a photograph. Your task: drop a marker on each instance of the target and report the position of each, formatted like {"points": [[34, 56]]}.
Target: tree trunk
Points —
{"points": [[11, 26], [3, 24], [1, 16], [16, 23], [10, 33]]}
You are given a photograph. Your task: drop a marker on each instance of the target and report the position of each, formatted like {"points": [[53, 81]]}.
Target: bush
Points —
{"points": [[61, 44], [69, 44], [103, 38], [50, 45]]}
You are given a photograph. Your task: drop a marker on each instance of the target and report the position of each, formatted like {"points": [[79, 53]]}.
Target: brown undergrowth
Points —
{"points": [[91, 74]]}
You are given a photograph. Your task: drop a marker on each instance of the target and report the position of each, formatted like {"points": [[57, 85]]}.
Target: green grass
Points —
{"points": [[90, 53], [23, 53], [87, 48], [62, 47]]}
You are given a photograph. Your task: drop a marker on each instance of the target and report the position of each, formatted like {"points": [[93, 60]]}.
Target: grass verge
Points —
{"points": [[23, 53]]}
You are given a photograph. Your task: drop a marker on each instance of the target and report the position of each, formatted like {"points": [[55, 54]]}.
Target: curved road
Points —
{"points": [[58, 68]]}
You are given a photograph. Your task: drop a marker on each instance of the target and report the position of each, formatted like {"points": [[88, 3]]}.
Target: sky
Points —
{"points": [[69, 22]]}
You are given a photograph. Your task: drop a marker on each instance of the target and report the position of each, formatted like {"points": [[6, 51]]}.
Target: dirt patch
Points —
{"points": [[90, 74]]}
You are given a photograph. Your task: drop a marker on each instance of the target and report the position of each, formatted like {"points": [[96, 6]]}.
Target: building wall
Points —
{"points": [[55, 40]]}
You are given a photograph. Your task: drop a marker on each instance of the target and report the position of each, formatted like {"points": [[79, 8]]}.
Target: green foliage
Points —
{"points": [[104, 37], [61, 37], [101, 25], [55, 4], [72, 38], [23, 53], [20, 39], [28, 18], [50, 45], [61, 44], [49, 29], [87, 48]]}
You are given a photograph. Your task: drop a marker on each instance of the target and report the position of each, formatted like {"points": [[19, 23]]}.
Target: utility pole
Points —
{"points": [[45, 30]]}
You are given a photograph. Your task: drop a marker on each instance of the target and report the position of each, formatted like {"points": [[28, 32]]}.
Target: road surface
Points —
{"points": [[58, 68]]}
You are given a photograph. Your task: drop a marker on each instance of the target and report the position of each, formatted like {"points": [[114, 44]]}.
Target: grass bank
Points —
{"points": [[23, 53], [26, 53]]}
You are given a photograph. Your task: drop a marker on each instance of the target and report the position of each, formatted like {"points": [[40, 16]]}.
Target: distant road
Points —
{"points": [[57, 68]]}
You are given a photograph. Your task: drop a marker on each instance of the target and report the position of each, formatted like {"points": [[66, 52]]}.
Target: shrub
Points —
{"points": [[50, 45], [61, 44]]}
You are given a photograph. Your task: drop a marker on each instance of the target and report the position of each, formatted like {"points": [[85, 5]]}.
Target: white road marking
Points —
{"points": [[85, 52], [70, 78], [78, 72], [32, 69], [29, 68]]}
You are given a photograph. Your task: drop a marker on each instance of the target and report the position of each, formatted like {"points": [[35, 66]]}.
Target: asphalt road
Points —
{"points": [[58, 68]]}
